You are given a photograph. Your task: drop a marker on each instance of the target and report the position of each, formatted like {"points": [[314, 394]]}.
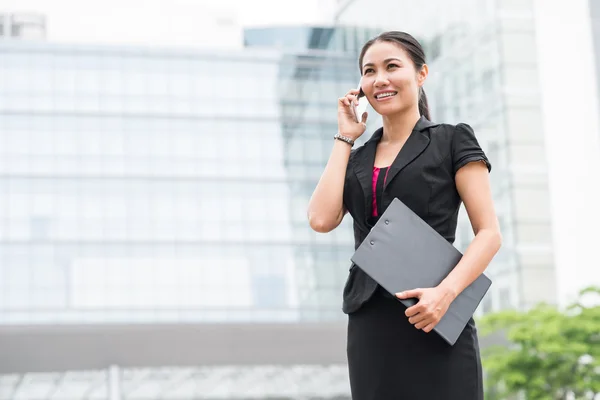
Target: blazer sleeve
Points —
{"points": [[466, 149]]}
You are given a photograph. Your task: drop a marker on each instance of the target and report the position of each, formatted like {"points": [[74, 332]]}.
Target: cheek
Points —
{"points": [[366, 84], [405, 82], [408, 88]]}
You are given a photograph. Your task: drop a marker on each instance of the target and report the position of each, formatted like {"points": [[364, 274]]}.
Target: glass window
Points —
{"points": [[45, 273], [40, 80], [65, 81], [157, 84], [86, 82], [269, 290], [15, 79], [167, 155], [179, 85], [17, 275]]}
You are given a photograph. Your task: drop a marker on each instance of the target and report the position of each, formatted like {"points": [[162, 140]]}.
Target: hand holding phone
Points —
{"points": [[361, 107], [351, 108]]}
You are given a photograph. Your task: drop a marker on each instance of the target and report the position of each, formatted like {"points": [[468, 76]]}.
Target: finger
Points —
{"points": [[429, 327], [414, 310], [352, 99], [408, 294], [353, 91], [344, 101], [424, 323], [418, 318]]}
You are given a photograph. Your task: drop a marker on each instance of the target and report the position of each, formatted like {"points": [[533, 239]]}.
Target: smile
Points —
{"points": [[386, 95]]}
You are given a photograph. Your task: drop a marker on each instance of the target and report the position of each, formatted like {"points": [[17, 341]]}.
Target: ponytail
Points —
{"points": [[423, 104]]}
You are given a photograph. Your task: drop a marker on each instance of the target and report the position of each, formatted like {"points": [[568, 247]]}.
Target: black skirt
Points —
{"points": [[389, 359]]}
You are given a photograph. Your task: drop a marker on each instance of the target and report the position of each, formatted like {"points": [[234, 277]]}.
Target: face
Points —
{"points": [[390, 80]]}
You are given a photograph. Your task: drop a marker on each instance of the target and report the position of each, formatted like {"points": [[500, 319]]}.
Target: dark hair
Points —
{"points": [[415, 52]]}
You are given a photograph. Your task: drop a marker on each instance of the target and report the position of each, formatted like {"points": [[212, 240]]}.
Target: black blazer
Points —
{"points": [[421, 176]]}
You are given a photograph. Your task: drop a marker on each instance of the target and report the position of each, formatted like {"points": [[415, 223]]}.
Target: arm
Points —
{"points": [[473, 185], [326, 207]]}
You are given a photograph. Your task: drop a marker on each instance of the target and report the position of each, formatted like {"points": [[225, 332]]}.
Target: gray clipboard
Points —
{"points": [[403, 252]]}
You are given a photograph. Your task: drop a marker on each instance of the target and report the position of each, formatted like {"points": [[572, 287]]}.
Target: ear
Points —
{"points": [[422, 75]]}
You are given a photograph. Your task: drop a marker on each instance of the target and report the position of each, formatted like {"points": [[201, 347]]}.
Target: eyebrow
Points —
{"points": [[387, 60]]}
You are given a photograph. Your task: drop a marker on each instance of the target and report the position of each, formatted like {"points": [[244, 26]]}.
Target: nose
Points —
{"points": [[381, 80]]}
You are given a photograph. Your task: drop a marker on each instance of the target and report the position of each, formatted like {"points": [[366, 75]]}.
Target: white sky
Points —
{"points": [[185, 23]]}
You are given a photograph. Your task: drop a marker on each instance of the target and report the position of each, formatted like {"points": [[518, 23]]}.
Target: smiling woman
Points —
{"points": [[403, 60], [432, 168]]}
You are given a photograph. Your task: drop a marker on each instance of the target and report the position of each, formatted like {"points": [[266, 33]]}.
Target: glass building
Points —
{"points": [[170, 185], [154, 206]]}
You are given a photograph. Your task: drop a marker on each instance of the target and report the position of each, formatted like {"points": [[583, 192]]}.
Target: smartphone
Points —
{"points": [[361, 107]]}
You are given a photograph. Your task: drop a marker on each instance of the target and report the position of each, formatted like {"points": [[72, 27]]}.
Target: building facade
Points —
{"points": [[154, 205]]}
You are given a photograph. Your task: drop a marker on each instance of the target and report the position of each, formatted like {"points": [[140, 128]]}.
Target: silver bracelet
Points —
{"points": [[346, 139]]}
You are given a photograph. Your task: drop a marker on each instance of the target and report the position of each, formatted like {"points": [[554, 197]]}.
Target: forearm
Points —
{"points": [[475, 260], [326, 206]]}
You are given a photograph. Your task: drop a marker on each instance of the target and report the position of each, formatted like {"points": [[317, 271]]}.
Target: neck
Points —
{"points": [[398, 127]]}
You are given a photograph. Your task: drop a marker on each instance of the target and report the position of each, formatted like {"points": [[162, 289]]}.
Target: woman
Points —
{"points": [[432, 168]]}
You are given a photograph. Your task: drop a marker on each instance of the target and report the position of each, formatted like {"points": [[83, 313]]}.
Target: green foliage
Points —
{"points": [[549, 354]]}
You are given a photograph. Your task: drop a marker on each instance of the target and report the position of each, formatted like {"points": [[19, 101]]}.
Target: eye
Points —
{"points": [[368, 70], [392, 65]]}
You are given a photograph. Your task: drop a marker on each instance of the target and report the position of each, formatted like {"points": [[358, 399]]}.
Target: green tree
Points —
{"points": [[549, 354]]}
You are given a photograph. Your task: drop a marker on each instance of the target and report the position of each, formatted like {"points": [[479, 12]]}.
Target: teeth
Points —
{"points": [[385, 95]]}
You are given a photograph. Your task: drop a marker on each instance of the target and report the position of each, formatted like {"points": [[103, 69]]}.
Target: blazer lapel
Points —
{"points": [[363, 168], [416, 143]]}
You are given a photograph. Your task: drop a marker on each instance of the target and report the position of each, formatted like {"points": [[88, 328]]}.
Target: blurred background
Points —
{"points": [[157, 158]]}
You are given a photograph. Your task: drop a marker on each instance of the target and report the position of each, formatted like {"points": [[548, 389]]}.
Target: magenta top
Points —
{"points": [[376, 171]]}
